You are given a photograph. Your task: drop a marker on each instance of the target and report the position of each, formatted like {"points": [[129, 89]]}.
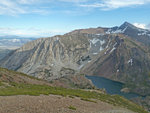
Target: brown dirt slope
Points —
{"points": [[54, 104]]}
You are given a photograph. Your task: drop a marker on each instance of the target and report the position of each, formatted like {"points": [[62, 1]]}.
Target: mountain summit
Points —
{"points": [[127, 24]]}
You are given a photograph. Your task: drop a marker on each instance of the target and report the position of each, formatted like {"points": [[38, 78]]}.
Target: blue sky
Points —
{"points": [[42, 18]]}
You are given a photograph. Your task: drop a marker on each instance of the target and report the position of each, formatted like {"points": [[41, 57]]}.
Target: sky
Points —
{"points": [[44, 18]]}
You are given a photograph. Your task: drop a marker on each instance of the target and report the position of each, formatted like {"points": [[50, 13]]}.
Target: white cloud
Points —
{"points": [[15, 7], [75, 1], [30, 32], [10, 8], [140, 25], [96, 5], [114, 4], [27, 1]]}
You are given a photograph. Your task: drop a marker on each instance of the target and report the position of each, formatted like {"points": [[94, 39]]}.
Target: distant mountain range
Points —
{"points": [[13, 42], [118, 53]]}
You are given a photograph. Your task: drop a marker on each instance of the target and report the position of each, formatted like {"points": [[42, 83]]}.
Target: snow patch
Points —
{"points": [[102, 42], [100, 34], [109, 31], [117, 31], [139, 34], [94, 41], [101, 48], [108, 44], [142, 32], [124, 29], [115, 44], [57, 38], [130, 61], [113, 48], [81, 66], [95, 53]]}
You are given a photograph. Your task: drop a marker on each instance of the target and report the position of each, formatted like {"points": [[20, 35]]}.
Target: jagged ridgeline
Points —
{"points": [[118, 53]]}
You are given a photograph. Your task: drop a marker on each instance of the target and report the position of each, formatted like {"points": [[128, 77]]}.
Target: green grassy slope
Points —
{"points": [[10, 87]]}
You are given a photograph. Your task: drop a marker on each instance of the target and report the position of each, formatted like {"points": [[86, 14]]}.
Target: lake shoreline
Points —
{"points": [[112, 87]]}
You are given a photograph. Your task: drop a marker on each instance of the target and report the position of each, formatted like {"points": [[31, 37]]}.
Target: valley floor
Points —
{"points": [[54, 104]]}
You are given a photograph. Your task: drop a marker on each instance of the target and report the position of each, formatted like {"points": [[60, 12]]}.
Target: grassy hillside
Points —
{"points": [[30, 89], [14, 83], [8, 76]]}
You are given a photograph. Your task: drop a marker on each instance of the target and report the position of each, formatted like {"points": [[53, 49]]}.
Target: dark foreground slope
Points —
{"points": [[14, 83]]}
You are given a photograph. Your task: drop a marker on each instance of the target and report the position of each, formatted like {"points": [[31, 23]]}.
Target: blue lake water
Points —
{"points": [[111, 87]]}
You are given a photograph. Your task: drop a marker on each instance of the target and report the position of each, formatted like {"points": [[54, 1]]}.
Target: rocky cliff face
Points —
{"points": [[116, 53], [4, 52], [138, 34], [55, 57], [124, 60]]}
